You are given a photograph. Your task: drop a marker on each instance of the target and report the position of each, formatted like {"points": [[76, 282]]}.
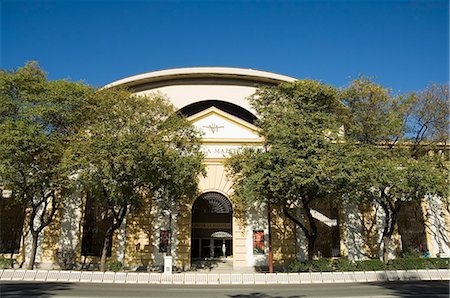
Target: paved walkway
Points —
{"points": [[221, 278]]}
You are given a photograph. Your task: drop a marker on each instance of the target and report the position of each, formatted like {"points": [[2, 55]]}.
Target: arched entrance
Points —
{"points": [[211, 236]]}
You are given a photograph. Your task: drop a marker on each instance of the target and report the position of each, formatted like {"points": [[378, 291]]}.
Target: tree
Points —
{"points": [[301, 124], [427, 118], [136, 146], [376, 117], [37, 118], [379, 164]]}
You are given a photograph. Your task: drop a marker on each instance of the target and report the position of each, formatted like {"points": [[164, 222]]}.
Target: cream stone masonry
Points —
{"points": [[437, 229], [184, 86]]}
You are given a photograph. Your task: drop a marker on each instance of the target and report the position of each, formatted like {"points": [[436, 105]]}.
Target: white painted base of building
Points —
{"points": [[222, 278]]}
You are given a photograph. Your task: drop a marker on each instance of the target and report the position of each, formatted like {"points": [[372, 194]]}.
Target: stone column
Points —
{"points": [[352, 228], [380, 219], [70, 224], [257, 220], [436, 227]]}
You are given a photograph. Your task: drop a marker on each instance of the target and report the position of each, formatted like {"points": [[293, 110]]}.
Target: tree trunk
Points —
{"points": [[391, 214], [311, 245], [269, 218], [106, 244], [311, 234], [312, 237], [34, 245], [118, 220], [386, 245]]}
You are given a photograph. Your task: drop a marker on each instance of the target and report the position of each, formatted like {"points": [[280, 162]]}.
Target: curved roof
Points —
{"points": [[171, 76]]}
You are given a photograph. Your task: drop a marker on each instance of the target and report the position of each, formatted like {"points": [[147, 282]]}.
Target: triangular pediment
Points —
{"points": [[216, 124]]}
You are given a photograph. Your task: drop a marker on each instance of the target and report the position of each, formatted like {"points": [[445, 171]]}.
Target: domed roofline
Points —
{"points": [[170, 76]]}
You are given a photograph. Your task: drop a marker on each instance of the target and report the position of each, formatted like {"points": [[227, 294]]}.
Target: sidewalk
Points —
{"points": [[221, 278]]}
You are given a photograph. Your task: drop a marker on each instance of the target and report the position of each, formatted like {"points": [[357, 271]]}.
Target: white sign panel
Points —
{"points": [[223, 151]]}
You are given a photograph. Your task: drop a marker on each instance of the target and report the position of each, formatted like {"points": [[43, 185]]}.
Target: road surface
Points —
{"points": [[438, 289]]}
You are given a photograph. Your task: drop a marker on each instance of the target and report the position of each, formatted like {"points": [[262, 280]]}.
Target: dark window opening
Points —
{"points": [[95, 227], [411, 227], [328, 237], [11, 226], [227, 107]]}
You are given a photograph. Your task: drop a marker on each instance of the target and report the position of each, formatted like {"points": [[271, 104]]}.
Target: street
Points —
{"points": [[380, 289]]}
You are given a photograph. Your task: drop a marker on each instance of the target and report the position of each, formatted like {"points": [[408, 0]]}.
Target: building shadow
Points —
{"points": [[262, 295], [32, 289], [429, 289]]}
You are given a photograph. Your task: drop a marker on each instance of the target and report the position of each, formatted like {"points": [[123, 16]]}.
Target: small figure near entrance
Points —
{"points": [[224, 249]]}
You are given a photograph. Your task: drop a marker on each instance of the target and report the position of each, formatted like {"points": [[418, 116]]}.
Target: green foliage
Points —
{"points": [[37, 118], [370, 265], [418, 263], [438, 263], [298, 266], [300, 123], [136, 146], [428, 117], [6, 263], [388, 178], [378, 164], [322, 265], [342, 264], [375, 115], [114, 266]]}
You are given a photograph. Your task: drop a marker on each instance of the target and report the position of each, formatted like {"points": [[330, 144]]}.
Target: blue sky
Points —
{"points": [[403, 44]]}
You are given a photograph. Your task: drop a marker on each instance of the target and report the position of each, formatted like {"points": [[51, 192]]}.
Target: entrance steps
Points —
{"points": [[218, 266]]}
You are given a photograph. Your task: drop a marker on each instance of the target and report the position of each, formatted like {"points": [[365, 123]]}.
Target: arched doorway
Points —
{"points": [[211, 236]]}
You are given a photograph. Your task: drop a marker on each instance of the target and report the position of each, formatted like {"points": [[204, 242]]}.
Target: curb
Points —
{"points": [[222, 278]]}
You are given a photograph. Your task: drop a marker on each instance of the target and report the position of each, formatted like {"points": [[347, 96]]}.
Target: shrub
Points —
{"points": [[66, 258], [418, 263], [6, 263], [343, 264], [298, 266], [319, 265], [113, 266], [407, 263], [437, 263], [369, 265], [322, 265]]}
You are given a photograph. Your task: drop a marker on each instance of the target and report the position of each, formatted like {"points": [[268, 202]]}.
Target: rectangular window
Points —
{"points": [[328, 237], [411, 227], [258, 242], [94, 228], [11, 226], [164, 240]]}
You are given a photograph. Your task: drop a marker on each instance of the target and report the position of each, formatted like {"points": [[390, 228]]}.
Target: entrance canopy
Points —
{"points": [[221, 235]]}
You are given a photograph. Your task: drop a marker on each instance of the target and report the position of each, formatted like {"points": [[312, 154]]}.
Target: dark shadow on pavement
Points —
{"points": [[261, 295], [32, 289], [429, 289]]}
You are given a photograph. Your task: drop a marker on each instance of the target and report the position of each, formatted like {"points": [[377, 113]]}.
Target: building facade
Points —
{"points": [[212, 226]]}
